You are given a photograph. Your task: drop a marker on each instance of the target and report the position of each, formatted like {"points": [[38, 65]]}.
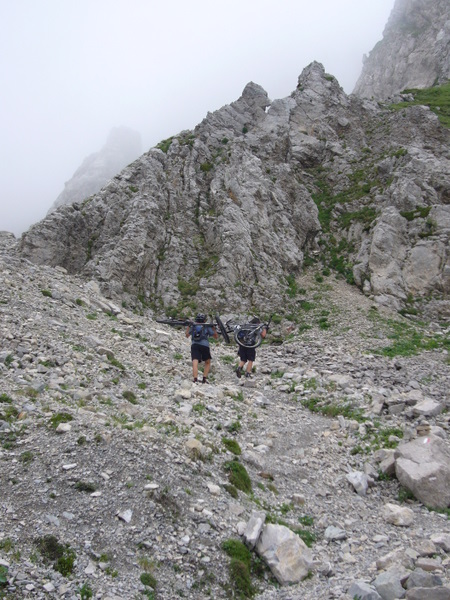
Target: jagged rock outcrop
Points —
{"points": [[414, 51], [225, 215], [122, 146]]}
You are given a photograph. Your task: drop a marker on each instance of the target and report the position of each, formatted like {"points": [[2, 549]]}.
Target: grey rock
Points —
{"points": [[442, 540], [333, 533], [428, 593], [389, 584], [420, 578], [418, 36], [363, 591], [287, 556], [253, 529], [400, 516], [359, 481], [251, 164], [423, 466]]}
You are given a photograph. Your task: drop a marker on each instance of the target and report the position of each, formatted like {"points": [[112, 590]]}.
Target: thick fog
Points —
{"points": [[71, 70]]}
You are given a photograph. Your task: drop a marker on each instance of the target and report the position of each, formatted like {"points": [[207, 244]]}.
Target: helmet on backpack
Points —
{"points": [[255, 321], [200, 318]]}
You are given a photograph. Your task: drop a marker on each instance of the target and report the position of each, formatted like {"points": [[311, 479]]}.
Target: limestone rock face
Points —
{"points": [[414, 51], [121, 148], [225, 215]]}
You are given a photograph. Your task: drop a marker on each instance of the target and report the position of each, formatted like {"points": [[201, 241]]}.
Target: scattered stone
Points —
{"points": [[398, 515]]}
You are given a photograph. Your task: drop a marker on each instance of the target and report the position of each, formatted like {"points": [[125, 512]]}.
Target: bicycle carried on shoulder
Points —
{"points": [[217, 324], [248, 335]]}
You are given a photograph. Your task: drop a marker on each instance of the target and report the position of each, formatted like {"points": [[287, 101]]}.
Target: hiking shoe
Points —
{"points": [[239, 372], [205, 380], [195, 380], [248, 375]]}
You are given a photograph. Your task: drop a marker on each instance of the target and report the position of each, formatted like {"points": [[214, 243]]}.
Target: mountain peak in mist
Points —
{"points": [[123, 146], [414, 51]]}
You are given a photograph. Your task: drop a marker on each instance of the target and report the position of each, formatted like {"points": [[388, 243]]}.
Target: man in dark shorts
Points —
{"points": [[200, 352], [248, 355]]}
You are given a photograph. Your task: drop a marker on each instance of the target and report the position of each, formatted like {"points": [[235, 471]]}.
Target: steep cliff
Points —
{"points": [[414, 51], [227, 215], [122, 146]]}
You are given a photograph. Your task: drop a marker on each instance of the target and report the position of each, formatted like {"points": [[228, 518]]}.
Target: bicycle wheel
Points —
{"points": [[223, 331], [247, 338]]}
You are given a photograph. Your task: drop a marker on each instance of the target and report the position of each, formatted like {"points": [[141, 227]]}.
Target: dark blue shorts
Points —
{"points": [[200, 353], [246, 354]]}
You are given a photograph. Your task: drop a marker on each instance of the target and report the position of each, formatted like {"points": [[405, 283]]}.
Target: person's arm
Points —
{"points": [[215, 334], [188, 331], [263, 332]]}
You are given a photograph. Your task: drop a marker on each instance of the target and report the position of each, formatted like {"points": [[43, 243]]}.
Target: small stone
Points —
{"points": [[125, 515], [70, 466]]}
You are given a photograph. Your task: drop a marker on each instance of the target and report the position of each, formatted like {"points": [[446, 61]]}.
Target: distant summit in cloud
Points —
{"points": [[414, 51], [122, 147]]}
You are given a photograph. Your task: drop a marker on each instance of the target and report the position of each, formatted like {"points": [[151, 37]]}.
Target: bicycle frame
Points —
{"points": [[188, 322]]}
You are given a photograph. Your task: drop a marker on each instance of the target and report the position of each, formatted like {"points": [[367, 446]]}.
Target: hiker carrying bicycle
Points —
{"points": [[200, 333], [248, 355]]}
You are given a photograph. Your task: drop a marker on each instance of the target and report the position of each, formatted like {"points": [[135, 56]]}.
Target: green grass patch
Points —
{"points": [[437, 98], [227, 359], [332, 409], [199, 408], [26, 457], [3, 576], [61, 555], [114, 362], [61, 417], [148, 579], [379, 438], [243, 565], [421, 212], [365, 215], [164, 145], [231, 445], [85, 591], [85, 486], [231, 490], [408, 340], [238, 476], [130, 396]]}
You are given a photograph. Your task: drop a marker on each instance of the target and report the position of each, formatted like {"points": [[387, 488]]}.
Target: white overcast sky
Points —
{"points": [[71, 70]]}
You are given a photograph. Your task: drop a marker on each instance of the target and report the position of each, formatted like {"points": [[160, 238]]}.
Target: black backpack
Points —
{"points": [[199, 333]]}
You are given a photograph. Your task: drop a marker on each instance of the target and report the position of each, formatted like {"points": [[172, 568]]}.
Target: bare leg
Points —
{"points": [[195, 368], [249, 366], [206, 368]]}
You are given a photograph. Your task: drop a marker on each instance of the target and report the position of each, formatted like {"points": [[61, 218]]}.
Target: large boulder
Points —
{"points": [[423, 467], [286, 554]]}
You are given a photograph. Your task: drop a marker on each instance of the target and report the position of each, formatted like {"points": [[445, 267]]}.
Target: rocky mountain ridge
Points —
{"points": [[414, 51], [111, 456], [227, 215]]}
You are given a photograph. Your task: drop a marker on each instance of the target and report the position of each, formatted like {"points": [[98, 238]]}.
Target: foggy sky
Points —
{"points": [[71, 70]]}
